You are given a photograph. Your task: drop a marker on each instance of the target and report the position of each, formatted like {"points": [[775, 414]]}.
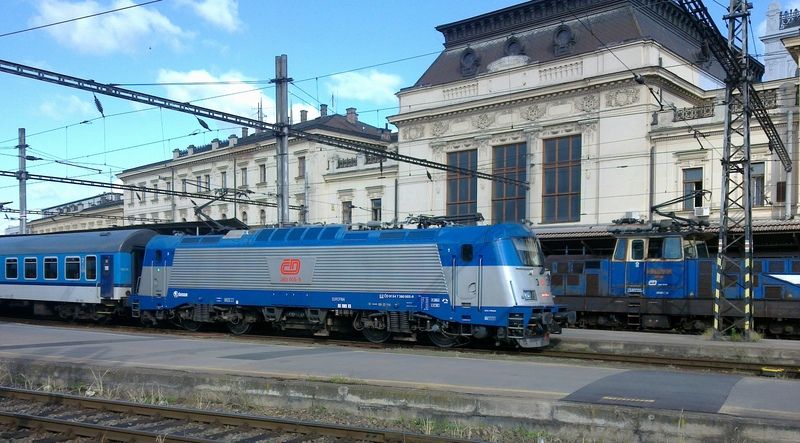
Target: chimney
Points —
{"points": [[352, 117], [303, 115], [215, 143], [244, 132], [191, 149], [176, 153], [232, 140], [323, 110]]}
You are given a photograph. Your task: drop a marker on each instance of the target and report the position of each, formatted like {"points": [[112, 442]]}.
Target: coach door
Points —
{"points": [[107, 276]]}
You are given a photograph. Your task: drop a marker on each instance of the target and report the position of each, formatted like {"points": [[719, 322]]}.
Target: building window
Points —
{"points": [[183, 184], [244, 177], [757, 184], [198, 182], [30, 268], [262, 217], [347, 212], [208, 181], [508, 201], [692, 181], [11, 268], [262, 173], [223, 177], [244, 217], [50, 268], [561, 190], [301, 166], [780, 192], [91, 267], [155, 191], [375, 208], [462, 190]]}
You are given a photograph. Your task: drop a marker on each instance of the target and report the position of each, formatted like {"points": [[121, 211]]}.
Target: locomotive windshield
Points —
{"points": [[529, 251]]}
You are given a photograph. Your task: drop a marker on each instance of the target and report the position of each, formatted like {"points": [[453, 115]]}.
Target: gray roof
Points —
{"points": [[75, 242], [552, 29]]}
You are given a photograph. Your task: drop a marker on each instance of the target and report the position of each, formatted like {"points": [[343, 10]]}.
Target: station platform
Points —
{"points": [[570, 401], [680, 346]]}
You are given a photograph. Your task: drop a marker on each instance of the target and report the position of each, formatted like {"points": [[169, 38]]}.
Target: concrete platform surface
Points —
{"points": [[524, 387], [765, 351]]}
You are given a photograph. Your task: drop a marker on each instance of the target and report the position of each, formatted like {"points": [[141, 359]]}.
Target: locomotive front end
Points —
{"points": [[533, 315]]}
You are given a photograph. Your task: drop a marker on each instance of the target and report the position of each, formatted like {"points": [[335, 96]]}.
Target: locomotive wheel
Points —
{"points": [[190, 325], [442, 340], [239, 328], [377, 335]]}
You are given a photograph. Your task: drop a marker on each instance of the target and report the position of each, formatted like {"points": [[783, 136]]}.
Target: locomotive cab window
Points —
{"points": [[11, 269], [72, 268], [30, 268], [621, 249], [667, 248], [529, 251], [466, 253], [50, 268], [637, 249], [91, 267]]}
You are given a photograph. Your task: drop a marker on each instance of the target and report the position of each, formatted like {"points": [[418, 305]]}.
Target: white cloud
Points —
{"points": [[222, 13], [373, 86], [123, 31], [230, 97], [61, 107]]}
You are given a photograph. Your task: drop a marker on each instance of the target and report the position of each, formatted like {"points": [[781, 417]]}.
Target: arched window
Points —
{"points": [[263, 217], [244, 217]]}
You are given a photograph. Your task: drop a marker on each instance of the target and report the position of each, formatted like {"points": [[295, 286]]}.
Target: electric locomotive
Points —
{"points": [[666, 280], [451, 284]]}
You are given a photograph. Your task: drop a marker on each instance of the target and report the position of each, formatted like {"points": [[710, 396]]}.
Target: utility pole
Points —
{"points": [[735, 225], [22, 176], [282, 135]]}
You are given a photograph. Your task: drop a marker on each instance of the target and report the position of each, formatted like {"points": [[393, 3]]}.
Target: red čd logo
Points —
{"points": [[290, 266]]}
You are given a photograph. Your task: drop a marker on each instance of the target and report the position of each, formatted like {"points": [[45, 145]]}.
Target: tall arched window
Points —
{"points": [[263, 217], [244, 217]]}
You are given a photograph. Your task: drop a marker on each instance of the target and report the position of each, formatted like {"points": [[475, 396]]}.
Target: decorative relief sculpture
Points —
{"points": [[413, 132], [439, 128], [482, 121], [588, 103], [622, 97], [533, 112]]}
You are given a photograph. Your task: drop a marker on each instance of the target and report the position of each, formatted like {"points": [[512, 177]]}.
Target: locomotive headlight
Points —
{"points": [[529, 294]]}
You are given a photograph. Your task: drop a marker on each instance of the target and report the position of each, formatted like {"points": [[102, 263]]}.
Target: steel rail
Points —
{"points": [[196, 415]]}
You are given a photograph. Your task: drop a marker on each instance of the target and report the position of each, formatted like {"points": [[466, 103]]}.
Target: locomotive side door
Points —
{"points": [[635, 268], [106, 276]]}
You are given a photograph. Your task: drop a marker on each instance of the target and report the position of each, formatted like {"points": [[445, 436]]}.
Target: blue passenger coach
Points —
{"points": [[451, 284], [83, 275]]}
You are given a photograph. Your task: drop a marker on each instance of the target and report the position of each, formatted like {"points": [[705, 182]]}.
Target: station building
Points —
{"points": [[605, 107]]}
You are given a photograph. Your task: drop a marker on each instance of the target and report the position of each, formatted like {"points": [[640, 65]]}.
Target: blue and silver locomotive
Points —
{"points": [[451, 284]]}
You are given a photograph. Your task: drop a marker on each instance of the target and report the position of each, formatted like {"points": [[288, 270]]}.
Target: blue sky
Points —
{"points": [[178, 41]]}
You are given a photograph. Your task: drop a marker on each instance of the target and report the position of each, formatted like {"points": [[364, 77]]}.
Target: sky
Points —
{"points": [[344, 53]]}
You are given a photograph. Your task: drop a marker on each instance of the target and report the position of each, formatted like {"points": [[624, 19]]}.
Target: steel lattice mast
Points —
{"points": [[735, 248]]}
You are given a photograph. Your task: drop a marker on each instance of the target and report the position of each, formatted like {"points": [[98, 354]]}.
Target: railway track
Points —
{"points": [[58, 416], [782, 370]]}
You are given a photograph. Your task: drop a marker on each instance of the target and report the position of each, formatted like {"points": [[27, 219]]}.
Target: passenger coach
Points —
{"points": [[76, 275]]}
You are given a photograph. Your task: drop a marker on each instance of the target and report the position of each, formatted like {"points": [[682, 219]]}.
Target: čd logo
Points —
{"points": [[290, 266]]}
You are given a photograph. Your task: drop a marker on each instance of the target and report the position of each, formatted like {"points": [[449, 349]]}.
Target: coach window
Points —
{"points": [[50, 268], [30, 268], [91, 267], [11, 268], [672, 248], [72, 268]]}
